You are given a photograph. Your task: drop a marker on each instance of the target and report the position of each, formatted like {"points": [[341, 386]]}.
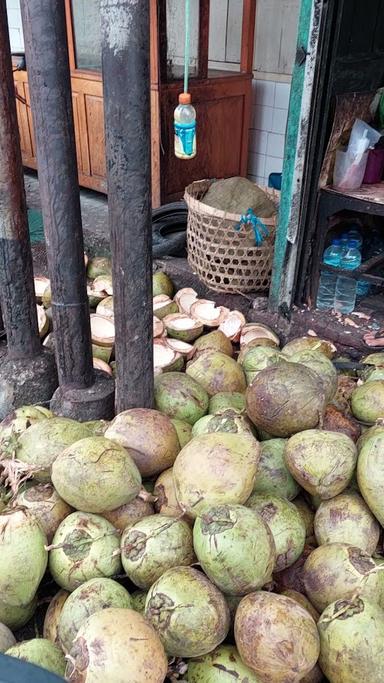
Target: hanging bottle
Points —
{"points": [[185, 128]]}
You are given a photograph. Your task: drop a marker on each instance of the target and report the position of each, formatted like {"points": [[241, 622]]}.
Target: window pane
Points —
{"points": [[176, 38], [86, 28]]}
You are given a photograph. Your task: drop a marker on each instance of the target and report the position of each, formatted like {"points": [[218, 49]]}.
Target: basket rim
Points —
{"points": [[198, 205]]}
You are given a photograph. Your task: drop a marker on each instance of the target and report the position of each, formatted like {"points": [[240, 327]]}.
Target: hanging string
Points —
{"points": [[187, 43]]}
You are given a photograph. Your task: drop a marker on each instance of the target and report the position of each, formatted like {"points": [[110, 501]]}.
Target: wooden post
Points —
{"points": [[248, 36], [49, 81], [16, 272], [125, 58]]}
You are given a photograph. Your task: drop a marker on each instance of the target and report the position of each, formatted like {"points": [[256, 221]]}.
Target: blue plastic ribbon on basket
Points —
{"points": [[260, 230]]}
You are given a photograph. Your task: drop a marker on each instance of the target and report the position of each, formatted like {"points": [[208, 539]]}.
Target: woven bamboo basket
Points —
{"points": [[224, 259]]}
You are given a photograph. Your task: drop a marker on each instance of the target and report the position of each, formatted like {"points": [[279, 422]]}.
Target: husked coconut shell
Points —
{"points": [[276, 637], [100, 364], [183, 327], [163, 305], [181, 347], [41, 284], [105, 307], [185, 298], [165, 358], [129, 650], [102, 330], [42, 321], [149, 436], [254, 332], [103, 283], [158, 327], [207, 313], [217, 372], [232, 325]]}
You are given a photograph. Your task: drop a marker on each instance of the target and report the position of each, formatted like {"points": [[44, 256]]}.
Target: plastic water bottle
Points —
{"points": [[344, 240], [185, 128], [345, 296], [327, 286], [354, 234], [362, 287]]}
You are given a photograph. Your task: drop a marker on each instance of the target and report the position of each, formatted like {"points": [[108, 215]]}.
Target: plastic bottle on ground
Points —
{"points": [[327, 285], [345, 295], [344, 239]]}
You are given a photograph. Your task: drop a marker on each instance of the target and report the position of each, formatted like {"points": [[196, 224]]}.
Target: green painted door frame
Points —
{"points": [[303, 90]]}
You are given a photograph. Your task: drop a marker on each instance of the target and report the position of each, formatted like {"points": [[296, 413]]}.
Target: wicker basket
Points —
{"points": [[226, 260]]}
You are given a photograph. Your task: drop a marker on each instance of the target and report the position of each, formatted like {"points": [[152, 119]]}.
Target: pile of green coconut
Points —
{"points": [[231, 533]]}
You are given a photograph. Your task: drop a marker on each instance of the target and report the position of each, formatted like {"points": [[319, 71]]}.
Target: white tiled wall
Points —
{"points": [[267, 135], [14, 23]]}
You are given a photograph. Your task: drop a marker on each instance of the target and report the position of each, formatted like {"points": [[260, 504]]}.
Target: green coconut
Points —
{"points": [[304, 602], [308, 517], [46, 298], [40, 652], [286, 525], [370, 474], [18, 421], [217, 372], [16, 616], [322, 366], [368, 433], [138, 600], [116, 645], [183, 431], [181, 397], [322, 462], [96, 474], [351, 637], [153, 545], [255, 358], [105, 308], [214, 341], [97, 427], [223, 665], [127, 515], [7, 639], [227, 400], [84, 547], [165, 494], [40, 445], [338, 571], [99, 265], [302, 344], [45, 504], [367, 402], [149, 436], [376, 359], [92, 596], [379, 562], [23, 557], [347, 519], [52, 616], [285, 399], [215, 468], [273, 475], [162, 284], [230, 421], [276, 637], [235, 548], [188, 612]]}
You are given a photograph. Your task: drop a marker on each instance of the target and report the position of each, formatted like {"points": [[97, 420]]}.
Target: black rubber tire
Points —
{"points": [[14, 670], [169, 225]]}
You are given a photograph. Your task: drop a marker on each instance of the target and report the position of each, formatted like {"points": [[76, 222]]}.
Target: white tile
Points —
{"points": [[279, 122], [16, 40], [256, 164], [258, 141], [272, 165], [264, 93], [262, 118], [275, 145], [13, 4], [282, 92]]}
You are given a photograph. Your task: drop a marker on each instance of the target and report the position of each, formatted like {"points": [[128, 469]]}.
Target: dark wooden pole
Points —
{"points": [[126, 87], [16, 272], [50, 87]]}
